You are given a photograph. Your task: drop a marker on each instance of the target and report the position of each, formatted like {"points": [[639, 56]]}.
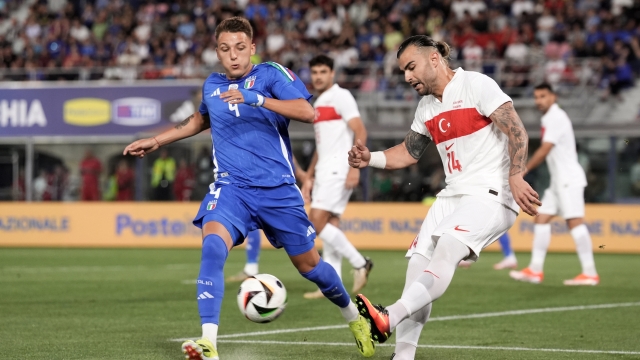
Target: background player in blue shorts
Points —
{"points": [[248, 110]]}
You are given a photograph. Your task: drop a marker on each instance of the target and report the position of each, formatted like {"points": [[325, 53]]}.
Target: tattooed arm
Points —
{"points": [[508, 121], [188, 127], [400, 156]]}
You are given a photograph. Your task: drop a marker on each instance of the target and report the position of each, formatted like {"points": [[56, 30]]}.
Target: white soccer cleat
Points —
{"points": [[584, 280], [313, 295], [527, 275], [506, 263], [361, 276]]}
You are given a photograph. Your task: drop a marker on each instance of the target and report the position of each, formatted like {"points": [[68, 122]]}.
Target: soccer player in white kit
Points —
{"points": [[565, 195], [483, 146], [336, 124]]}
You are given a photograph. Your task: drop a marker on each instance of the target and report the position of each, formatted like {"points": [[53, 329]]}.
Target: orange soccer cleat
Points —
{"points": [[527, 275], [583, 279], [378, 317]]}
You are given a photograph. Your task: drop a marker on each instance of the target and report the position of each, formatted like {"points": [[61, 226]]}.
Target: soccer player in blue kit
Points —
{"points": [[248, 110]]}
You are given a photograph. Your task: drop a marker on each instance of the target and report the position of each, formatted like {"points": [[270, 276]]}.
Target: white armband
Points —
{"points": [[378, 160]]}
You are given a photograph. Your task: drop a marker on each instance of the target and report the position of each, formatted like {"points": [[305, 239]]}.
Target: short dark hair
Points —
{"points": [[421, 41], [321, 60], [544, 86], [234, 25]]}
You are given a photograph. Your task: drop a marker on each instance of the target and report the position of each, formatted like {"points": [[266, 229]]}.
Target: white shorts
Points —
{"points": [[330, 195], [566, 202], [473, 220]]}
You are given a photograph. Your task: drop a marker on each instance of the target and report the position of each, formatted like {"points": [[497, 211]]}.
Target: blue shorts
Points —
{"points": [[278, 211]]}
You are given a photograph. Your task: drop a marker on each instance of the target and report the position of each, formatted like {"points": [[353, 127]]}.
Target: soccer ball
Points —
{"points": [[262, 298]]}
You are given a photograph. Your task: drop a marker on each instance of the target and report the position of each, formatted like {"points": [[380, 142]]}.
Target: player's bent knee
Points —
{"points": [[571, 223], [307, 261], [216, 228], [319, 218], [214, 247]]}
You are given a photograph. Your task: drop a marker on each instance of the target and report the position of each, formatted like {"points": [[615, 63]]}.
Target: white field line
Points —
{"points": [[465, 347], [51, 269], [437, 318]]}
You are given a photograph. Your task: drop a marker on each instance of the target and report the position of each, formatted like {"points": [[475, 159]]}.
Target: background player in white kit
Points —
{"points": [[336, 124], [565, 195], [483, 146]]}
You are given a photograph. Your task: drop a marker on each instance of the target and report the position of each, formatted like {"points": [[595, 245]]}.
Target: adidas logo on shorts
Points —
{"points": [[310, 230]]}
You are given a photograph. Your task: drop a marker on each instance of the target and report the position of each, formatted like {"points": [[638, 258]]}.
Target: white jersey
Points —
{"points": [[334, 108], [562, 160], [474, 151]]}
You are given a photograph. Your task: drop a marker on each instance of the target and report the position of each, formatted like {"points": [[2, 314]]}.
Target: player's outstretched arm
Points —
{"points": [[508, 121], [188, 127], [297, 109], [400, 156], [538, 157]]}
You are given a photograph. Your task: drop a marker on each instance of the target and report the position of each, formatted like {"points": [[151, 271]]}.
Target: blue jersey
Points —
{"points": [[251, 144]]}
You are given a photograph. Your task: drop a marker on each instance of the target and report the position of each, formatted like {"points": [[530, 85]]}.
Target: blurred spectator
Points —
{"points": [[59, 183], [42, 186], [125, 180], [185, 180], [517, 52], [163, 175], [204, 173], [635, 177], [19, 192], [472, 55], [90, 170]]}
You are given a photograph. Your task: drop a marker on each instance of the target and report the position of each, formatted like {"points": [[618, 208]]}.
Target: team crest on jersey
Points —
{"points": [[248, 84], [212, 204]]}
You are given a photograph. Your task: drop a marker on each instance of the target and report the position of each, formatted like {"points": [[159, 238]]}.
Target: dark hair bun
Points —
{"points": [[443, 49]]}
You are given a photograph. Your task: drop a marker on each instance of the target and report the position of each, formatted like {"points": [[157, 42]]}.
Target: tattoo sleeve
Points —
{"points": [[508, 121], [184, 122], [416, 144]]}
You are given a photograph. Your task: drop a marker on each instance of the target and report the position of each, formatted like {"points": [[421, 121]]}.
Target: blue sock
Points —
{"points": [[505, 244], [210, 284], [328, 281], [253, 247]]}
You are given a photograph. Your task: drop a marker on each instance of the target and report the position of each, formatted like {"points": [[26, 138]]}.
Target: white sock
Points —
{"points": [[338, 240], [210, 332], [584, 248], [512, 257], [408, 330], [408, 333], [251, 269], [541, 240], [399, 311], [435, 280], [350, 313], [332, 257]]}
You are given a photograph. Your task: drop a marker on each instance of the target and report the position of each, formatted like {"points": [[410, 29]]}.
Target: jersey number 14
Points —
{"points": [[453, 163]]}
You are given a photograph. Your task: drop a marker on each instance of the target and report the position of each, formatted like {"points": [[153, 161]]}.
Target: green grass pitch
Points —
{"points": [[129, 304]]}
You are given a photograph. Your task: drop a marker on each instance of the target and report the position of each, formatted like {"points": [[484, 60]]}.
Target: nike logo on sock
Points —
{"points": [[458, 228]]}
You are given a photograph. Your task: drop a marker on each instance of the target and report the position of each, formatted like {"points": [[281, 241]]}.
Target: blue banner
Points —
{"points": [[95, 109]]}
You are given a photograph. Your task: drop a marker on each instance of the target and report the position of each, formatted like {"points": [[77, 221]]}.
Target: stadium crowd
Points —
{"points": [[167, 40]]}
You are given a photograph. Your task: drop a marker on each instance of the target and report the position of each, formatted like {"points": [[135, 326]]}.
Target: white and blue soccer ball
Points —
{"points": [[262, 298]]}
